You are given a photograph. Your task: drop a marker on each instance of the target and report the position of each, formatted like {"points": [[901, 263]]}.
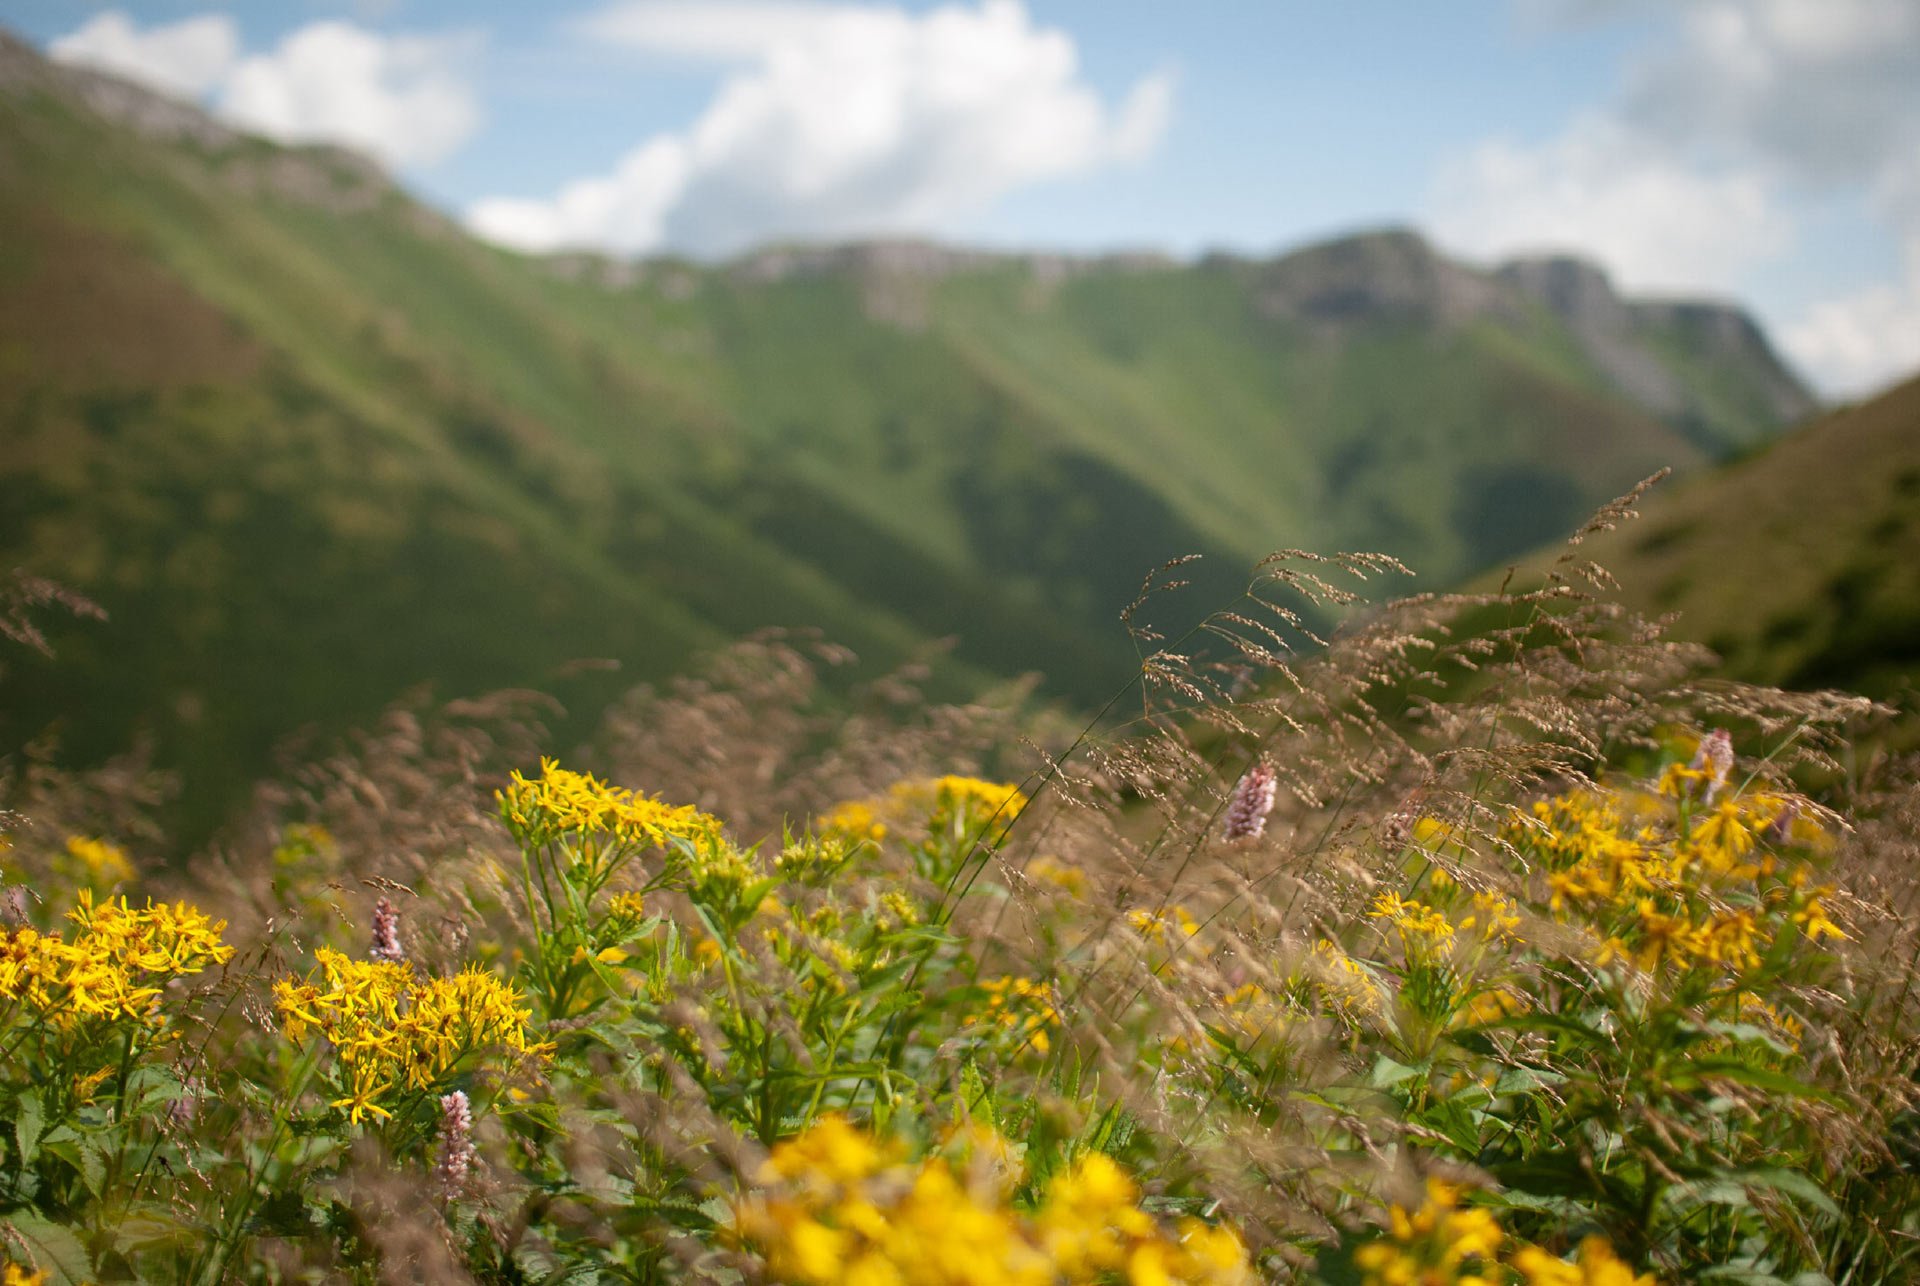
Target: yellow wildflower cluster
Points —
{"points": [[627, 907], [1666, 877], [1437, 1244], [1727, 938], [391, 1031], [1051, 870], [97, 862], [1756, 1009], [967, 804], [1252, 1013], [1597, 1266], [15, 1275], [116, 964], [1153, 925], [1446, 1244], [1343, 982], [1493, 916], [1594, 854], [837, 1207], [560, 802], [936, 810], [1424, 930], [1022, 1007], [854, 819]]}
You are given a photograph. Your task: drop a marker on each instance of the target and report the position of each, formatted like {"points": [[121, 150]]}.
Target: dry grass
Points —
{"points": [[1116, 891]]}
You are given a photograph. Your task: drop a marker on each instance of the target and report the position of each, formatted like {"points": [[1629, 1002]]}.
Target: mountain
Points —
{"points": [[309, 443], [1799, 563]]}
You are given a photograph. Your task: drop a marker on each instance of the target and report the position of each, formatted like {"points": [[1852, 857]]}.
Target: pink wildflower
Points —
{"points": [[1252, 801], [456, 1146], [386, 934]]}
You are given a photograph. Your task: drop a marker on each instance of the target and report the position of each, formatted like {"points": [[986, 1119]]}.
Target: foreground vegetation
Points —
{"points": [[1598, 970]]}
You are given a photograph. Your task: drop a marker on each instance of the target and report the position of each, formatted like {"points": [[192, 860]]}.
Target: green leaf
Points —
{"points": [[1387, 1073], [1566, 1173], [28, 1123], [1791, 1183], [1696, 1071], [84, 1155], [51, 1247]]}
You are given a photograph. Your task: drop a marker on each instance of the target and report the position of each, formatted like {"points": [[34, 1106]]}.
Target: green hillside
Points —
{"points": [[310, 444], [1800, 564]]}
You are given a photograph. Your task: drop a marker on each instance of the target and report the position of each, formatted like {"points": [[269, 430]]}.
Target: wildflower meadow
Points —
{"points": [[1480, 939]]}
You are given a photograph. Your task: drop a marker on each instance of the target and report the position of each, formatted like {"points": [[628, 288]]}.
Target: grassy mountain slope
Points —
{"points": [[1800, 563], [310, 444]]}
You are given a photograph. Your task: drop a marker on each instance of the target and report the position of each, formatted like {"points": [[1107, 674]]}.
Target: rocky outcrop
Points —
{"points": [[23, 69], [331, 178], [1388, 276], [1582, 296], [1632, 342]]}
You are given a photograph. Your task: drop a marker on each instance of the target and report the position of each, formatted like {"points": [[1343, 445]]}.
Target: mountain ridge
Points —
{"points": [[312, 444]]}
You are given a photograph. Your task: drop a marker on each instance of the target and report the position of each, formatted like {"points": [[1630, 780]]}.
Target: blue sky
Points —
{"points": [[1764, 149]]}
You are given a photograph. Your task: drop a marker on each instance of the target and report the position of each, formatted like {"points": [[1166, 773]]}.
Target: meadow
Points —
{"points": [[1491, 939]]}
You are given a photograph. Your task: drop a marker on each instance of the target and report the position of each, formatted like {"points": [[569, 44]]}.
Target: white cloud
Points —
{"points": [[1734, 113], [183, 59], [1860, 342], [1823, 91], [397, 97], [1825, 96], [402, 99], [839, 120], [625, 210], [1656, 222]]}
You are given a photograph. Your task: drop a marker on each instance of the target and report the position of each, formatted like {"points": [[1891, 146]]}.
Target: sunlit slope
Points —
{"points": [[310, 444], [1800, 563]]}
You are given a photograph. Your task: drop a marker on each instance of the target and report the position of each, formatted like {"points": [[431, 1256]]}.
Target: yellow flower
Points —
{"points": [[1813, 920], [116, 964], [1724, 836], [1090, 1216], [104, 863], [360, 1102], [1423, 929], [831, 1150], [1343, 982], [983, 810], [835, 1206], [1598, 1266], [1153, 925], [563, 802], [391, 1030], [1494, 915], [1664, 936], [855, 819], [1023, 1007], [1439, 1242], [1057, 873]]}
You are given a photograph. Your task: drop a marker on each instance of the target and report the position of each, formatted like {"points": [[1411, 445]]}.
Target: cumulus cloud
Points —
{"points": [[397, 97], [1654, 220], [1822, 91], [183, 59], [1736, 111], [839, 120], [400, 98], [1862, 341]]}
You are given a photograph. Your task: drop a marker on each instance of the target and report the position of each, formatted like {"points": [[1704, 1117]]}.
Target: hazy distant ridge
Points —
{"points": [[310, 443]]}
